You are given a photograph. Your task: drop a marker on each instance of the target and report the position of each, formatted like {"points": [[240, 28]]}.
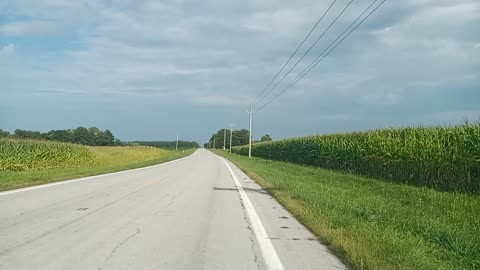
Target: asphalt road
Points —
{"points": [[199, 212]]}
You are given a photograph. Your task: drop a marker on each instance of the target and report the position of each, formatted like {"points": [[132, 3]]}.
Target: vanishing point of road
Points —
{"points": [[199, 212]]}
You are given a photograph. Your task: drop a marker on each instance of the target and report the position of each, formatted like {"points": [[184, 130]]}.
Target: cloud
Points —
{"points": [[218, 100], [216, 55], [7, 50], [30, 28]]}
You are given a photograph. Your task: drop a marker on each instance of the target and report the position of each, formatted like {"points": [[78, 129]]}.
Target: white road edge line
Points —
{"points": [[268, 251], [90, 177]]}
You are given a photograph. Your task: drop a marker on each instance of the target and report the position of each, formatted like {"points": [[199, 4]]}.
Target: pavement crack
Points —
{"points": [[172, 200], [121, 244]]}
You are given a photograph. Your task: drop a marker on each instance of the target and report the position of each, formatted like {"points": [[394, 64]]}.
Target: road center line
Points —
{"points": [[266, 247], [90, 177]]}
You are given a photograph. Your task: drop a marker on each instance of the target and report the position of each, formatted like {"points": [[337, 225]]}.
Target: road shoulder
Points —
{"points": [[295, 245]]}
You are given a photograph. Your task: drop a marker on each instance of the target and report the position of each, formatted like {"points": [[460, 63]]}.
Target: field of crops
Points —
{"points": [[114, 155], [18, 155], [446, 158], [33, 155], [25, 162]]}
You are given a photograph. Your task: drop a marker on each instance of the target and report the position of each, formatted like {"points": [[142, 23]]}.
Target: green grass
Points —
{"points": [[375, 224], [29, 162]]}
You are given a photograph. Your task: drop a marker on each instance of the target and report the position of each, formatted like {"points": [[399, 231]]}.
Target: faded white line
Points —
{"points": [[90, 177], [268, 251]]}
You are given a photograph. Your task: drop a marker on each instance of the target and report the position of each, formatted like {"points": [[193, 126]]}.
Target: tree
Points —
{"points": [[4, 133], [167, 144], [104, 138], [27, 134], [80, 135], [59, 135], [266, 138], [239, 137]]}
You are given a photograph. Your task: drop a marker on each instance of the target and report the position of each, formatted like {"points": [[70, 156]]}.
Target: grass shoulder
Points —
{"points": [[375, 224]]}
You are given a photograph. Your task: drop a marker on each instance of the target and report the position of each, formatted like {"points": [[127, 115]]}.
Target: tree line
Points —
{"points": [[92, 136], [167, 144], [239, 137], [81, 135]]}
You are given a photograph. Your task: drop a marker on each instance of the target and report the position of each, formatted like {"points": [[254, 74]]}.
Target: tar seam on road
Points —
{"points": [[90, 177], [268, 251]]}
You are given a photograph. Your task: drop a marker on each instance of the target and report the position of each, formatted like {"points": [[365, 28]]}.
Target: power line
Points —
{"points": [[326, 52], [293, 54], [306, 52]]}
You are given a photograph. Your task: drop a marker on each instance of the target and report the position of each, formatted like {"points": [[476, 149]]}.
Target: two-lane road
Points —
{"points": [[185, 214]]}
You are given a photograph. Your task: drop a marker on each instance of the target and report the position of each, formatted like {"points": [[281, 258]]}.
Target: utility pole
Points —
{"points": [[176, 146], [224, 137], [250, 133], [213, 143], [231, 135]]}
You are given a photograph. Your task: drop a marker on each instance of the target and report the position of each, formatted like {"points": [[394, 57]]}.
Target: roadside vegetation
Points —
{"points": [[239, 137], [166, 144], [31, 162], [446, 158], [374, 224]]}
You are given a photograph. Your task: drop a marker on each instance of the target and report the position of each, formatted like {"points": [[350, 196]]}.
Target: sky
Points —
{"points": [[149, 69]]}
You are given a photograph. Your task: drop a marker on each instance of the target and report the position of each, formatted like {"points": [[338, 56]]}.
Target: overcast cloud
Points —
{"points": [[149, 69]]}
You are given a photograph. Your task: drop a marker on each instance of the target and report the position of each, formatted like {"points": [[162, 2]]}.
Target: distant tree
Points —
{"points": [[239, 137], [167, 144], [266, 138], [27, 134], [80, 135], [102, 138], [19, 133], [59, 135], [94, 130], [95, 136], [4, 133], [108, 135]]}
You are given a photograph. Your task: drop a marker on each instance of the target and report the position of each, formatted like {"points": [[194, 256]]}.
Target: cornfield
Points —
{"points": [[114, 155], [33, 155], [446, 158]]}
